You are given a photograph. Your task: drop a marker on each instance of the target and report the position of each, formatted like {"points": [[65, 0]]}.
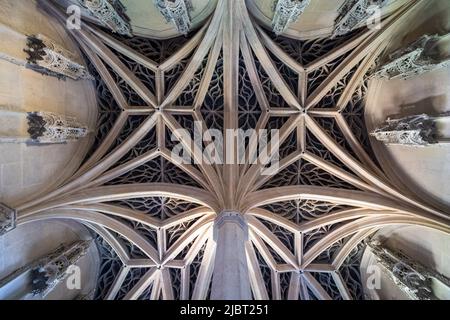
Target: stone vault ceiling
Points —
{"points": [[153, 217]]}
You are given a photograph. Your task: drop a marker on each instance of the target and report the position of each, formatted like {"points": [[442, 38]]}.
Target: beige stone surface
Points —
{"points": [[27, 170], [425, 170]]}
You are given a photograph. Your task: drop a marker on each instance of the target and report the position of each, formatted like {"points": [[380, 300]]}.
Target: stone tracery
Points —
{"points": [[160, 230]]}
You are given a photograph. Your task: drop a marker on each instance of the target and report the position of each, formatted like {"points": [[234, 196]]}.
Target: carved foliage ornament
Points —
{"points": [[47, 127], [286, 12], [176, 12], [111, 13], [49, 58], [414, 60]]}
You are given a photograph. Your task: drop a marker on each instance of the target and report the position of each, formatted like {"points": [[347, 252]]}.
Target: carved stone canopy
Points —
{"points": [[286, 12], [415, 59], [47, 271], [416, 130], [111, 13], [48, 127], [49, 58]]}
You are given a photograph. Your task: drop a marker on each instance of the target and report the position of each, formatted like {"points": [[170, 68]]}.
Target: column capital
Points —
{"points": [[229, 216]]}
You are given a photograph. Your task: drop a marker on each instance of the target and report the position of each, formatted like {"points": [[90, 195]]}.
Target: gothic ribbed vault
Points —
{"points": [[152, 217]]}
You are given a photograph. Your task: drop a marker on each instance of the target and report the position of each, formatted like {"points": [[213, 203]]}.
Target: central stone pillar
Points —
{"points": [[230, 278]]}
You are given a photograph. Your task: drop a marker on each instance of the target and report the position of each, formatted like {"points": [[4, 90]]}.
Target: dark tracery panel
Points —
{"points": [[302, 172], [327, 282], [273, 95], [331, 127], [194, 269], [156, 170], [350, 272], [248, 105], [213, 106], [132, 278], [318, 76], [154, 49], [187, 97], [158, 207], [132, 98], [108, 109], [175, 232], [354, 115], [285, 236], [175, 277], [301, 210], [265, 271], [110, 266], [145, 75], [307, 51]]}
